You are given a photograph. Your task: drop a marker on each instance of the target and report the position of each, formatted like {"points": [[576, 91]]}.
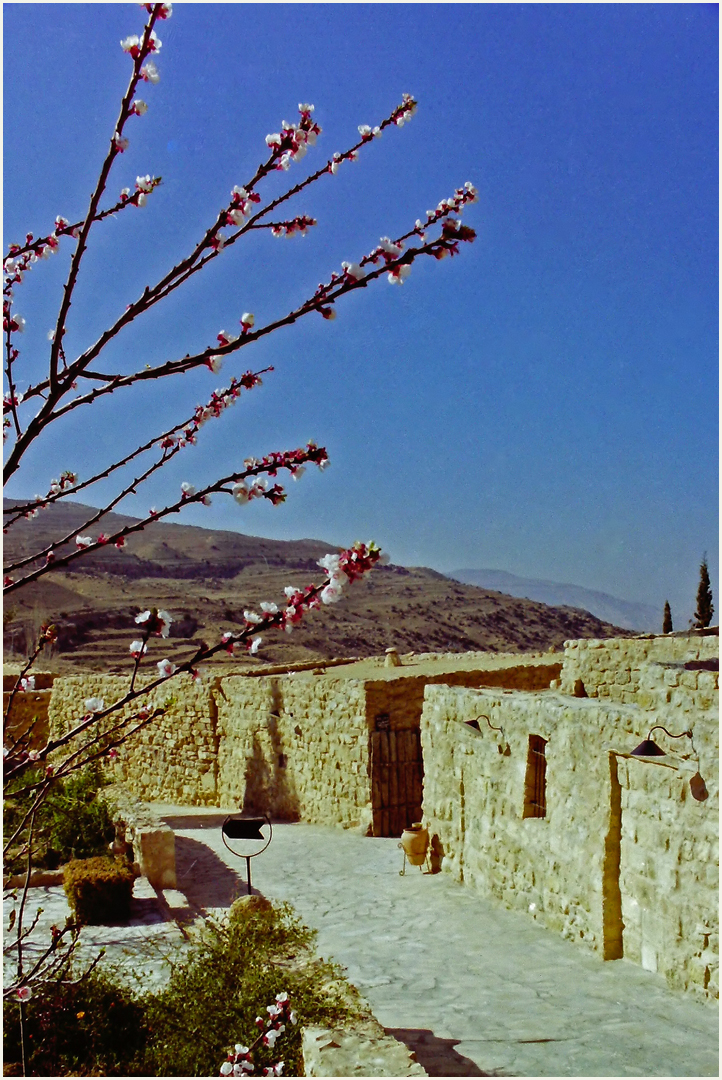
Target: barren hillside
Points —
{"points": [[205, 578]]}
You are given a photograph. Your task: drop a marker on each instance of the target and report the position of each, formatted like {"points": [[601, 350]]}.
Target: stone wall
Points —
{"points": [[295, 746], [624, 860], [649, 671], [174, 758]]}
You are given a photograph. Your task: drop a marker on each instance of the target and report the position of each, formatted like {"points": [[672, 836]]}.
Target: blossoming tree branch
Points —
{"points": [[34, 402]]}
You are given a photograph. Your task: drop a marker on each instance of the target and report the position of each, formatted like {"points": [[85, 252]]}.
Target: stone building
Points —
{"points": [[520, 764], [536, 800], [337, 746]]}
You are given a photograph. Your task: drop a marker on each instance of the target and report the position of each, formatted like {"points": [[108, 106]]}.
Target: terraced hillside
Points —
{"points": [[206, 578]]}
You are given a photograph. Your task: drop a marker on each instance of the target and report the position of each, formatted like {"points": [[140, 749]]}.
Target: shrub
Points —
{"points": [[232, 972], [94, 1027], [235, 967], [99, 890], [74, 821]]}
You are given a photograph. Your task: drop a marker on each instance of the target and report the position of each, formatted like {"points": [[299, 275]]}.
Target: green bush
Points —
{"points": [[227, 979], [233, 969], [73, 822], [95, 1027], [99, 890]]}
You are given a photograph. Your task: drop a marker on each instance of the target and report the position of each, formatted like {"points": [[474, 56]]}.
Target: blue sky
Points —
{"points": [[544, 404]]}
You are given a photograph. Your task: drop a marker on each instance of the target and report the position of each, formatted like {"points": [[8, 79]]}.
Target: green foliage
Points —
{"points": [[95, 1027], [73, 822], [99, 890], [229, 977], [705, 609], [667, 619], [233, 969]]}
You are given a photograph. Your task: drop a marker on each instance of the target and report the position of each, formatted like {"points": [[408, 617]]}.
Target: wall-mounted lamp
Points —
{"points": [[648, 749], [506, 749]]}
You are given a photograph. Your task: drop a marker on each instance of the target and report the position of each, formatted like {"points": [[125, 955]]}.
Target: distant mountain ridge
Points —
{"points": [[207, 578], [626, 613]]}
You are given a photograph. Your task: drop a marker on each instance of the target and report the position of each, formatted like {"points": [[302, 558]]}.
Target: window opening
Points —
{"points": [[535, 786]]}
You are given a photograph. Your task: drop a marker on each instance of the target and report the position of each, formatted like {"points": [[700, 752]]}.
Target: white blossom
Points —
{"points": [[149, 72], [165, 667], [354, 270], [94, 704]]}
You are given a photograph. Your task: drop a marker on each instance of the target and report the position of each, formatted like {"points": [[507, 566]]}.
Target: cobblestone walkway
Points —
{"points": [[474, 989]]}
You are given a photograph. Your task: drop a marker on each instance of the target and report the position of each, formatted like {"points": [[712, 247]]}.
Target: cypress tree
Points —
{"points": [[667, 620], [705, 610]]}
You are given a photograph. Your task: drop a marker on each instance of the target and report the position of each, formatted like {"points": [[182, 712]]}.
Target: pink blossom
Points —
{"points": [[158, 622], [399, 274], [165, 667], [131, 45], [120, 143], [214, 363], [149, 72], [112, 753], [24, 993], [353, 270]]}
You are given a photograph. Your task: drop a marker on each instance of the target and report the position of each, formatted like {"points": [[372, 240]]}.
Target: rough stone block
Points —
{"points": [[155, 850]]}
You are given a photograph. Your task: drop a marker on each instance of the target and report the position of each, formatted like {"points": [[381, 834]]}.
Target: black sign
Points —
{"points": [[244, 828]]}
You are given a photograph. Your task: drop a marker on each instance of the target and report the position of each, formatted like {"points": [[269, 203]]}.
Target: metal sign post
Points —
{"points": [[247, 830]]}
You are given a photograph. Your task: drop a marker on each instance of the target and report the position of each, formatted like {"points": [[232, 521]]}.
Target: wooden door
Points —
{"points": [[397, 773]]}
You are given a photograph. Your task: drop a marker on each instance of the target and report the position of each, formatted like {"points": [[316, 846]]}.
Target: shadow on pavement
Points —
{"points": [[437, 1056], [204, 878]]}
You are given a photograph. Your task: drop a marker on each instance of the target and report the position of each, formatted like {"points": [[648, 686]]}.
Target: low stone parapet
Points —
{"points": [[361, 1049], [153, 841]]}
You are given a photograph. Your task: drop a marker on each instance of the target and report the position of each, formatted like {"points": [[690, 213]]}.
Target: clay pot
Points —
{"points": [[415, 842]]}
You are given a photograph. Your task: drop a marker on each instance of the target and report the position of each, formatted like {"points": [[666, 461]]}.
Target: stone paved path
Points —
{"points": [[476, 990], [480, 989]]}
